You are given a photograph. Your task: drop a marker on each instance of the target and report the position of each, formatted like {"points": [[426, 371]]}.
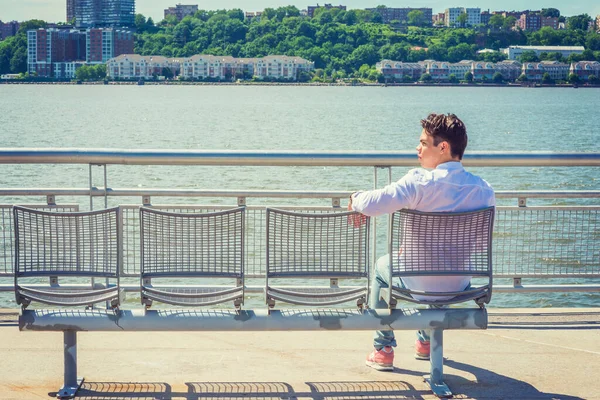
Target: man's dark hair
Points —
{"points": [[448, 128]]}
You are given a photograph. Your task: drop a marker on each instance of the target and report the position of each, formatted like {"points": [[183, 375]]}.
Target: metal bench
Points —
{"points": [[299, 245], [440, 245], [192, 246], [316, 246]]}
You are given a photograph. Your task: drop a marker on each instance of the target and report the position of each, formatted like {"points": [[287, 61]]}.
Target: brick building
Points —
{"points": [[102, 44], [8, 29], [180, 11]]}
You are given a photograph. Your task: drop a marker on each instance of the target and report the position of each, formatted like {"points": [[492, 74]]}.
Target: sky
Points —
{"points": [[55, 10]]}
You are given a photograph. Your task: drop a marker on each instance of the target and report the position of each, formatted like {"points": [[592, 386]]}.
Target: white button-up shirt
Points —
{"points": [[448, 188]]}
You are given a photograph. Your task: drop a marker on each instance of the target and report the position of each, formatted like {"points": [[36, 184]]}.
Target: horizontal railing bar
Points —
{"points": [[545, 288], [281, 158], [129, 192]]}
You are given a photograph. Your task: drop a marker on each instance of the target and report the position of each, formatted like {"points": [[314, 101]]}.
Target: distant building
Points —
{"points": [[55, 53], [252, 16], [439, 70], [181, 11], [509, 69], [584, 69], [311, 9], [598, 23], [513, 52], [8, 29], [70, 10], [530, 22], [485, 17], [438, 19], [398, 70], [281, 67], [102, 44], [452, 14], [104, 13], [134, 66], [389, 14], [535, 71]]}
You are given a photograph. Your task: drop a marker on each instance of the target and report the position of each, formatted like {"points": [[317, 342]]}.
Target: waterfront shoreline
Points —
{"points": [[306, 84]]}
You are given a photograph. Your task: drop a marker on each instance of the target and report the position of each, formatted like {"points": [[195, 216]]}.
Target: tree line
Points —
{"points": [[339, 42]]}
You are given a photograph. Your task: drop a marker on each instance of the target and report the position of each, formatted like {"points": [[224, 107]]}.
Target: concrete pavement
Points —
{"points": [[525, 354]]}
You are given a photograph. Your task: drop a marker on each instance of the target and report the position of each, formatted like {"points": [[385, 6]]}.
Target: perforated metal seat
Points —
{"points": [[77, 245], [441, 245], [326, 246], [186, 245]]}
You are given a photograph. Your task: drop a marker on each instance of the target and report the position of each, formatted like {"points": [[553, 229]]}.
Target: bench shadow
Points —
{"points": [[490, 384], [364, 390], [125, 390]]}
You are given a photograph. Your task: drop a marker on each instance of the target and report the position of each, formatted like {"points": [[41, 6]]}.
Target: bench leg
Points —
{"points": [[71, 382], [436, 378]]}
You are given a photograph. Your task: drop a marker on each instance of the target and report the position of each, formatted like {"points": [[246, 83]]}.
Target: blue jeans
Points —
{"points": [[380, 280]]}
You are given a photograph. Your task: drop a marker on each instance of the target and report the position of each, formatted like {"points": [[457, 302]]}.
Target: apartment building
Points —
{"points": [[473, 16], [50, 50], [397, 70], [535, 71], [485, 17], [529, 22], [510, 69], [281, 67], [103, 13], [180, 11], [483, 71], [439, 70], [513, 52], [8, 29], [460, 68], [134, 66], [584, 69], [102, 44], [311, 9], [389, 14]]}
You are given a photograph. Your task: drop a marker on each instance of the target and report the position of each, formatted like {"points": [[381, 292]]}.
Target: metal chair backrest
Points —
{"points": [[85, 244], [326, 245], [192, 245], [443, 244]]}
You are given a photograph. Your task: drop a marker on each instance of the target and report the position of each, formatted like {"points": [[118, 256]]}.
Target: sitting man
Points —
{"points": [[447, 187]]}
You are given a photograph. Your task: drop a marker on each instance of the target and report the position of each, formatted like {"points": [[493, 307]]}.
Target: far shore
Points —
{"points": [[192, 83]]}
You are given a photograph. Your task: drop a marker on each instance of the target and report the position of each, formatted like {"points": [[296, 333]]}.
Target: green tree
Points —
{"points": [[547, 79], [593, 80], [468, 76], [522, 78], [496, 21], [426, 78], [528, 56], [452, 78], [462, 19], [509, 23], [550, 13], [498, 78], [580, 22], [416, 18], [573, 78], [140, 23]]}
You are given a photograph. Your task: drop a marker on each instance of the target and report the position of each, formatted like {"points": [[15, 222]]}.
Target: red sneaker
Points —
{"points": [[381, 360], [421, 350]]}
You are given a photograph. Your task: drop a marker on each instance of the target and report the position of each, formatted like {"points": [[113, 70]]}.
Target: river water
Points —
{"points": [[295, 118]]}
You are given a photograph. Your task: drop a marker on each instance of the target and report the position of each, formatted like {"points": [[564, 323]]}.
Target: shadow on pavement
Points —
{"points": [[488, 384]]}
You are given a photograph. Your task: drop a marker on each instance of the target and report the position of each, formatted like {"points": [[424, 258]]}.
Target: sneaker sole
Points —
{"points": [[422, 356], [380, 367]]}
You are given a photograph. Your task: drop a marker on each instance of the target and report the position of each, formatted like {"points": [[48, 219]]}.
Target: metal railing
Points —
{"points": [[542, 242]]}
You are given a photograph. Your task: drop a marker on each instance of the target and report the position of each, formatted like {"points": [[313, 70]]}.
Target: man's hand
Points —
{"points": [[356, 220]]}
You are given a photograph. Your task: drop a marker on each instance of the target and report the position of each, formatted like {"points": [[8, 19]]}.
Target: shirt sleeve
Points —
{"points": [[392, 197]]}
